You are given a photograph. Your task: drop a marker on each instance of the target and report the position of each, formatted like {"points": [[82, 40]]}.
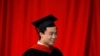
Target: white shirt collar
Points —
{"points": [[40, 43]]}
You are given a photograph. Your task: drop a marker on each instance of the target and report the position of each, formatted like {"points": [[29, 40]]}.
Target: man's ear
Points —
{"points": [[41, 34]]}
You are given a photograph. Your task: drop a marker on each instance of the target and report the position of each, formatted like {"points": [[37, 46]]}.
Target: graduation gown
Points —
{"points": [[40, 50]]}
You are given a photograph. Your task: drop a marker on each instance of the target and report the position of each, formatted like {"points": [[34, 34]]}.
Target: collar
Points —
{"points": [[40, 43]]}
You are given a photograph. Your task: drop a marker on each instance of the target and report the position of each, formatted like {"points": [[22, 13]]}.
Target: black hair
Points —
{"points": [[42, 27]]}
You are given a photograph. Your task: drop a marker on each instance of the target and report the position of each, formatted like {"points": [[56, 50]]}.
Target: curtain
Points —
{"points": [[78, 25]]}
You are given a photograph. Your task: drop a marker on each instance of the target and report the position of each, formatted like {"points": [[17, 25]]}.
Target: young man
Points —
{"points": [[47, 35]]}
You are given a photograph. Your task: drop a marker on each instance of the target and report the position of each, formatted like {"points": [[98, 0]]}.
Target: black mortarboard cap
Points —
{"points": [[50, 19]]}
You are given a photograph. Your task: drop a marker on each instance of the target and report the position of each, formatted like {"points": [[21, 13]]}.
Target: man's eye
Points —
{"points": [[53, 33]]}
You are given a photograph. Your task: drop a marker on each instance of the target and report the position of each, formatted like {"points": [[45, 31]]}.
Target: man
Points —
{"points": [[47, 35]]}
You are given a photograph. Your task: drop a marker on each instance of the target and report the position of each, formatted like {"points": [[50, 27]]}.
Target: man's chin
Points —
{"points": [[51, 43]]}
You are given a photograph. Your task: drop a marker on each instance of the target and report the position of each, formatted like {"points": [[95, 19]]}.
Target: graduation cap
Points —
{"points": [[50, 19]]}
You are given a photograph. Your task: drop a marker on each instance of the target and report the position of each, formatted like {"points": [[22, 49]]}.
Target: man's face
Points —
{"points": [[49, 35]]}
